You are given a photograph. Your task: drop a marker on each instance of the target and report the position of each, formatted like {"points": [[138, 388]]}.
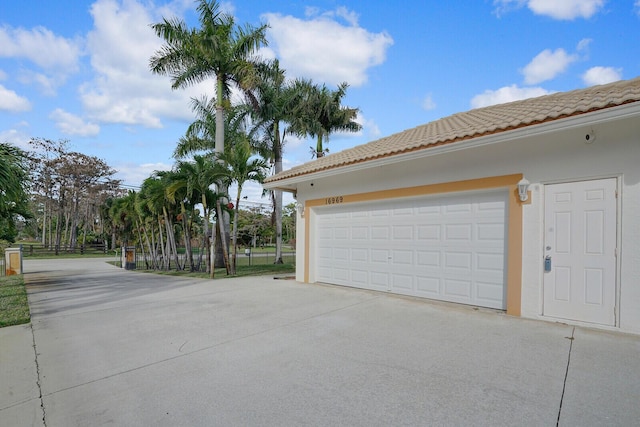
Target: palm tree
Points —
{"points": [[154, 190], [14, 180], [242, 167], [200, 138], [218, 49], [195, 179], [275, 98], [320, 113]]}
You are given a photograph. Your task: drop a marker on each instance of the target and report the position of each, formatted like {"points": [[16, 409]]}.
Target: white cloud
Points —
{"points": [[561, 10], [134, 174], [428, 103], [12, 102], [566, 9], [41, 46], [369, 128], [323, 49], [601, 75], [506, 94], [583, 45], [124, 89], [547, 65], [48, 84], [636, 5], [70, 124]]}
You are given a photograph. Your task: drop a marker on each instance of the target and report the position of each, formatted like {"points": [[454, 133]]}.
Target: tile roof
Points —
{"points": [[478, 122]]}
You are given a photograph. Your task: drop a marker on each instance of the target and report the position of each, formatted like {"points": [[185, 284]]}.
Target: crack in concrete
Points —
{"points": [[566, 374], [38, 382]]}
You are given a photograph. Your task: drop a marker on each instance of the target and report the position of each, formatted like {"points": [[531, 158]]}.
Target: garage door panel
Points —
{"points": [[429, 232], [457, 262], [341, 233], [458, 232], [341, 253], [360, 233], [429, 259], [379, 232], [490, 232], [488, 262], [359, 278], [379, 280], [402, 232], [359, 255], [379, 256], [402, 258], [402, 282], [460, 290], [429, 286], [491, 294], [446, 247], [384, 213], [402, 212], [458, 208], [341, 273]]}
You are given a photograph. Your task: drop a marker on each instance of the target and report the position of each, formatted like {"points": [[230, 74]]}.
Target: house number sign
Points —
{"points": [[333, 200]]}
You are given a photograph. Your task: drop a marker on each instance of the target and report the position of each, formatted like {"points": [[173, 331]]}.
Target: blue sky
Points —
{"points": [[78, 69]]}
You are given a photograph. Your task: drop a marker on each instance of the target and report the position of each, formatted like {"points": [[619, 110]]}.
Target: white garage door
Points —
{"points": [[449, 248]]}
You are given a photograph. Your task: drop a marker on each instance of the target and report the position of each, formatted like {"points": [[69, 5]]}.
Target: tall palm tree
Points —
{"points": [[219, 49], [320, 113], [242, 167], [275, 98]]}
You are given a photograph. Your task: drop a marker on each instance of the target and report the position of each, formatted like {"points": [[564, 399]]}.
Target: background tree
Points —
{"points": [[69, 186], [14, 181]]}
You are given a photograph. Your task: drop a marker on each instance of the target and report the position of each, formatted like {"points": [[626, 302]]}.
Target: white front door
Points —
{"points": [[580, 251]]}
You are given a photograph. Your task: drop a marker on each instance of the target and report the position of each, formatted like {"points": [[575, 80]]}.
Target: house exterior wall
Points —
{"points": [[559, 155]]}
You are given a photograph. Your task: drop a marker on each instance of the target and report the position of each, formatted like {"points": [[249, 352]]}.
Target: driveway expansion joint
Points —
{"points": [[566, 373], [38, 381]]}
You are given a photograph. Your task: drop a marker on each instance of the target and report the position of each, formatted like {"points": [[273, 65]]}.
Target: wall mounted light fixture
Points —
{"points": [[523, 189], [300, 209]]}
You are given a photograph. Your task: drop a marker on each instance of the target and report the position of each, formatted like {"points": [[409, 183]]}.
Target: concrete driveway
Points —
{"points": [[114, 347]]}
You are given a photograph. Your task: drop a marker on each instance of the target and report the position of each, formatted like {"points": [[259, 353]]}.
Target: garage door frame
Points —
{"points": [[514, 222]]}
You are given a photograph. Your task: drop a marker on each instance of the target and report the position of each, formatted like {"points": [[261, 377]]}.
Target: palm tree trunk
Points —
{"points": [[187, 239], [171, 238], [235, 231], [205, 237], [162, 248], [319, 149], [277, 194], [223, 241]]}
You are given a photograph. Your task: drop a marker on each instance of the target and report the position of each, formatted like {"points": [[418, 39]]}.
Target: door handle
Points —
{"points": [[547, 263]]}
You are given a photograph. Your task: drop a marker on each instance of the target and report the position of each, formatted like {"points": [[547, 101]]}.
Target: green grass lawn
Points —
{"points": [[14, 307], [242, 271]]}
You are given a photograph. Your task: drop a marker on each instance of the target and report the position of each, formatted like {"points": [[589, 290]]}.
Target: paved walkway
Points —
{"points": [[114, 347]]}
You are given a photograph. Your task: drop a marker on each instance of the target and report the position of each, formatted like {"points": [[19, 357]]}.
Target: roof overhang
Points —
{"points": [[591, 118]]}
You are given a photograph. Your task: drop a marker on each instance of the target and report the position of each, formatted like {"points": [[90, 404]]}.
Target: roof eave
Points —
{"points": [[579, 120]]}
